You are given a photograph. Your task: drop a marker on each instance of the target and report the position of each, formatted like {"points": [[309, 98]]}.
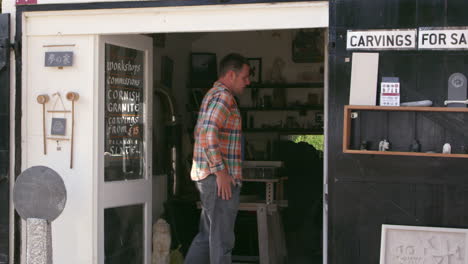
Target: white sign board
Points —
{"points": [[381, 39], [364, 71], [423, 245], [443, 38]]}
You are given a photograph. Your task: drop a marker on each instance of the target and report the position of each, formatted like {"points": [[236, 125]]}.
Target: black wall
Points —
{"points": [[366, 191]]}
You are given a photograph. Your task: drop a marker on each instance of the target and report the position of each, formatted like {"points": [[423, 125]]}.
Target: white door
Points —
{"points": [[124, 186]]}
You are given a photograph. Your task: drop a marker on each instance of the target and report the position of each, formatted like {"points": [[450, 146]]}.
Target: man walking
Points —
{"points": [[217, 163]]}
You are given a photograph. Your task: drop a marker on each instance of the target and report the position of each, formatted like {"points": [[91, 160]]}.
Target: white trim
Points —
{"points": [[179, 19], [24, 88], [98, 160], [122, 193]]}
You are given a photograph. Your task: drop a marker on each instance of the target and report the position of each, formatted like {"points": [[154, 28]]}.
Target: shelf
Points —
{"points": [[405, 108], [348, 109], [288, 85], [261, 179], [289, 108], [284, 131], [403, 153]]}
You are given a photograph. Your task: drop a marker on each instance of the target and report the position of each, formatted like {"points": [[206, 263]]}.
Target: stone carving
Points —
{"points": [[384, 145], [161, 242], [38, 240], [39, 196], [447, 149], [423, 245], [275, 75]]}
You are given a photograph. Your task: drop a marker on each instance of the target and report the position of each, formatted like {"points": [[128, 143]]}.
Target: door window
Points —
{"points": [[124, 84]]}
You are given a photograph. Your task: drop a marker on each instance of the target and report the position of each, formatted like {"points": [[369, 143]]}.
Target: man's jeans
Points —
{"points": [[215, 238]]}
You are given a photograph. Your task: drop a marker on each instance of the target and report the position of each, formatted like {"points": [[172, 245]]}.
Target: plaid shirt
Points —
{"points": [[217, 135]]}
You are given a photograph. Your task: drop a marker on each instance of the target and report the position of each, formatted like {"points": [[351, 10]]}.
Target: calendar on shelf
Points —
{"points": [[390, 91]]}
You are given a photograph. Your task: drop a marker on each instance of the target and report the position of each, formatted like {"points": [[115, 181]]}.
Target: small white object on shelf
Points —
{"points": [[447, 149], [417, 103], [384, 145]]}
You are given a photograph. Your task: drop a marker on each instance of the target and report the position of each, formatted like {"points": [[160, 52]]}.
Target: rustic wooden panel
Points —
{"points": [[456, 12], [366, 191], [376, 14], [431, 13]]}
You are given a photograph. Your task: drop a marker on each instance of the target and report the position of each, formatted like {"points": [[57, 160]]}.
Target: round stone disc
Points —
{"points": [[39, 192]]}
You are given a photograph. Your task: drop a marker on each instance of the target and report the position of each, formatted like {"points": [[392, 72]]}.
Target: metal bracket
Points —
{"points": [[16, 47], [325, 194]]}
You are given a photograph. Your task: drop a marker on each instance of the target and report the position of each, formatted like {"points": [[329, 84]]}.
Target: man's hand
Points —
{"points": [[224, 182]]}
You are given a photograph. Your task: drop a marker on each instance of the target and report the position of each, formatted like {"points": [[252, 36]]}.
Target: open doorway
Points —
{"points": [[283, 117], [84, 32]]}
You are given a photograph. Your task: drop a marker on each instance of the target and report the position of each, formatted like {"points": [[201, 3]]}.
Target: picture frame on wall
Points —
{"points": [[203, 70], [308, 46], [255, 70]]}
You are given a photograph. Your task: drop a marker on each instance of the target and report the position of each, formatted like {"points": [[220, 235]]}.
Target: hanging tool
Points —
{"points": [[72, 96], [43, 99]]}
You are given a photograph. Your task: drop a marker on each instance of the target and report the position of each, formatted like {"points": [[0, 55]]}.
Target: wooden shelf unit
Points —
{"points": [[347, 128], [287, 108], [292, 131]]}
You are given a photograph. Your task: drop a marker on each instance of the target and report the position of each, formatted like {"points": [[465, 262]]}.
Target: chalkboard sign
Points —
{"points": [[59, 126], [124, 73], [59, 58]]}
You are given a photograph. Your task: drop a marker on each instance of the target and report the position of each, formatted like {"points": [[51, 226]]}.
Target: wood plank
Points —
{"points": [[263, 236], [346, 127]]}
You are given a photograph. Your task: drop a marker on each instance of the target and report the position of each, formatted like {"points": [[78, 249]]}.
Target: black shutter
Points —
{"points": [[4, 136]]}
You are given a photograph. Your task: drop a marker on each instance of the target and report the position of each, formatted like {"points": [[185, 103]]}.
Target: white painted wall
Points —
{"points": [[72, 231], [268, 45]]}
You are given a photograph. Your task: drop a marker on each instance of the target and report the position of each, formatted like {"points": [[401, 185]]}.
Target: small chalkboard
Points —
{"points": [[58, 126], [59, 58], [39, 192]]}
